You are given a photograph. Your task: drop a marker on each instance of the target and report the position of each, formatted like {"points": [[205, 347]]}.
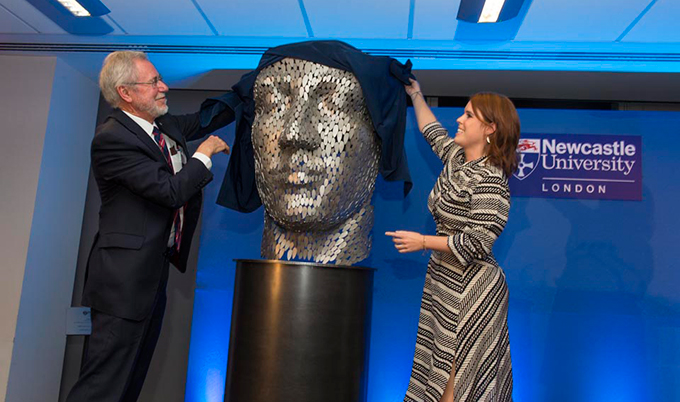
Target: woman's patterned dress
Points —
{"points": [[463, 315]]}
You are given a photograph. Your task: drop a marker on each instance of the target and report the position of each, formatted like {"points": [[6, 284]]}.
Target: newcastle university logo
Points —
{"points": [[529, 150], [579, 166]]}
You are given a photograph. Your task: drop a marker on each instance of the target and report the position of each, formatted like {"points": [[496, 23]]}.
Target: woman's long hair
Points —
{"points": [[493, 108]]}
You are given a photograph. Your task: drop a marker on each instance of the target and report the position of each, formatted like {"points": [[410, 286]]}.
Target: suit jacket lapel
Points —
{"points": [[133, 127]]}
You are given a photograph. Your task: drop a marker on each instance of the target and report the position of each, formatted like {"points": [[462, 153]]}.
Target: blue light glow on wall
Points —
{"points": [[594, 307]]}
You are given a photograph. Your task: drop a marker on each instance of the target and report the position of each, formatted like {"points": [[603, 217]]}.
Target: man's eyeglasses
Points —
{"points": [[154, 82]]}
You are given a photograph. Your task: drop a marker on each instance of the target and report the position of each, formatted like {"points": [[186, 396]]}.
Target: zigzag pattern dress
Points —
{"points": [[464, 309]]}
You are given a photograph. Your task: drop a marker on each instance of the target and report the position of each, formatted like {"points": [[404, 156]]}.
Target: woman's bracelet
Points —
{"points": [[414, 94], [424, 247]]}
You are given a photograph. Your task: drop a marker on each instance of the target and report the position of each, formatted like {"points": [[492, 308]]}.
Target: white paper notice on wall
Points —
{"points": [[78, 321]]}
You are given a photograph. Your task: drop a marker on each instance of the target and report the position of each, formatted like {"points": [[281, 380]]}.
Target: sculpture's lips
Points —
{"points": [[302, 178], [298, 176]]}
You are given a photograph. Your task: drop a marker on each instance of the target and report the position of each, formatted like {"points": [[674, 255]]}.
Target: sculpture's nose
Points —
{"points": [[300, 123]]}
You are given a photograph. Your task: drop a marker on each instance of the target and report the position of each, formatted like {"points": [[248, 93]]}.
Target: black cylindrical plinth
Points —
{"points": [[299, 332]]}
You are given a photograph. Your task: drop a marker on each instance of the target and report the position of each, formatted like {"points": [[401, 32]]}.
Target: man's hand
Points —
{"points": [[213, 145]]}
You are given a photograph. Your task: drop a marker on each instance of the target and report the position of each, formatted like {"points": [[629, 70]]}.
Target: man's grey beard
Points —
{"points": [[163, 110], [158, 111], [155, 110]]}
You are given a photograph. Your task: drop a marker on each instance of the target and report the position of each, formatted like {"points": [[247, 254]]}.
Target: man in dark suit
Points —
{"points": [[151, 200]]}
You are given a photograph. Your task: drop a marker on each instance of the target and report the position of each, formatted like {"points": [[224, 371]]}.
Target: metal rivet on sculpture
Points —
{"points": [[316, 161]]}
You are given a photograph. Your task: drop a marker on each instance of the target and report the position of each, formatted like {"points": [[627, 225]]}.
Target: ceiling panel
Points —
{"points": [[33, 17], [579, 20], [11, 24], [255, 17], [435, 19], [659, 24], [114, 24], [359, 18], [156, 17]]}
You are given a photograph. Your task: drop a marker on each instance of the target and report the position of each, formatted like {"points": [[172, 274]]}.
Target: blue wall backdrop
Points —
{"points": [[594, 307]]}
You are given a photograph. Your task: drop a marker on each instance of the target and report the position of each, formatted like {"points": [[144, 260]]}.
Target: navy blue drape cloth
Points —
{"points": [[381, 78]]}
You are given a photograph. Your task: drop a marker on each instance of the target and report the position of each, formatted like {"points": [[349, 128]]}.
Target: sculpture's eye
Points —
{"points": [[270, 98], [323, 97]]}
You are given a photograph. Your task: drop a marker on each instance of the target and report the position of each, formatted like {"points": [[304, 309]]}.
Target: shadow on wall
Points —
{"points": [[585, 301], [595, 329]]}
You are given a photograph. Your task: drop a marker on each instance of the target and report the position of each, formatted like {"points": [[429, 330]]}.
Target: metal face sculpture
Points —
{"points": [[316, 160]]}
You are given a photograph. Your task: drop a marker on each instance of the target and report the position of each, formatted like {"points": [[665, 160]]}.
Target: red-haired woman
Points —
{"points": [[462, 347]]}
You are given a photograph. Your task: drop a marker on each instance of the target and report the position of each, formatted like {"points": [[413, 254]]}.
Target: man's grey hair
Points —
{"points": [[119, 69]]}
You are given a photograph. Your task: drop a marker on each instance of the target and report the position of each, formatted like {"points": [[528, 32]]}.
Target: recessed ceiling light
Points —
{"points": [[491, 11], [75, 8], [71, 18], [485, 11]]}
